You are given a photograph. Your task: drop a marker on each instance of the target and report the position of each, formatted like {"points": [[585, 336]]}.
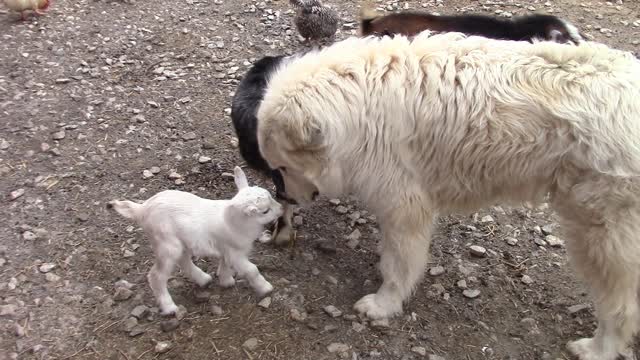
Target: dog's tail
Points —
{"points": [[126, 208], [368, 13]]}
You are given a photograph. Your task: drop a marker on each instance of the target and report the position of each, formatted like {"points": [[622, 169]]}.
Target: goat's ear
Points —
{"points": [[240, 178], [250, 210]]}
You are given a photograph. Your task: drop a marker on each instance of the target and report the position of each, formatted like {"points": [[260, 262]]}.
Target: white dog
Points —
{"points": [[181, 225], [452, 123]]}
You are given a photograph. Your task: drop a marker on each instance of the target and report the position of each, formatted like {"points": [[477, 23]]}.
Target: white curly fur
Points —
{"points": [[181, 225], [452, 123]]}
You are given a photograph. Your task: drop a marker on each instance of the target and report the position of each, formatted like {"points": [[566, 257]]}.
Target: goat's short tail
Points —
{"points": [[368, 13], [126, 208]]}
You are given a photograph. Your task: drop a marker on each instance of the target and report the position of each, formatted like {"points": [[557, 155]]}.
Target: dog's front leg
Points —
{"points": [[404, 253], [282, 234]]}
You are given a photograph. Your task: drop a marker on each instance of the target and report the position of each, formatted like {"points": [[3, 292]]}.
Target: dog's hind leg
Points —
{"points": [[602, 224], [404, 252], [192, 271]]}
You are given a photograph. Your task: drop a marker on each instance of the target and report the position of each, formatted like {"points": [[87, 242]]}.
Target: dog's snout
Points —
{"points": [[315, 195]]}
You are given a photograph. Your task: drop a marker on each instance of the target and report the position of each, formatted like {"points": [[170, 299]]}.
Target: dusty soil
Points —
{"points": [[96, 92]]}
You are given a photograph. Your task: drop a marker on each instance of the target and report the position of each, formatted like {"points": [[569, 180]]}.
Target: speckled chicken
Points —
{"points": [[314, 20]]}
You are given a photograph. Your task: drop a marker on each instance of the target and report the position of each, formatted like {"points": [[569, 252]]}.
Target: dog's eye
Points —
{"points": [[266, 211]]}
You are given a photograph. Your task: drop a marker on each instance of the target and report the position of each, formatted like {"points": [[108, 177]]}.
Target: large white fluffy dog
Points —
{"points": [[448, 123]]}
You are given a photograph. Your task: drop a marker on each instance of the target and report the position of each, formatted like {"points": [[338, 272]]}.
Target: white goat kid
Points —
{"points": [[181, 225]]}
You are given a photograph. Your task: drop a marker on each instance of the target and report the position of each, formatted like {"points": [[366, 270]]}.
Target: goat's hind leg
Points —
{"points": [[158, 277], [225, 273], [193, 272]]}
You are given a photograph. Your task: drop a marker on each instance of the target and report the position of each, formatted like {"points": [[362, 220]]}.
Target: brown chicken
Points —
{"points": [[25, 5]]}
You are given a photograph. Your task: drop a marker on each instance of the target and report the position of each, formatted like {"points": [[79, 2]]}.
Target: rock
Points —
{"points": [[146, 174], [337, 347], [298, 316], [29, 236], [4, 144], [486, 219], [46, 267], [162, 347], [122, 294], [265, 303], [578, 308], [181, 312], [18, 330], [155, 170], [251, 344], [554, 241], [471, 293], [297, 220], [128, 253], [129, 324], [435, 357], [123, 284], [139, 311], [8, 310], [204, 159], [169, 325], [15, 194], [209, 144], [216, 310], [139, 119], [357, 327], [539, 242], [419, 350], [136, 331], [202, 296], [189, 136], [341, 210], [333, 311], [334, 202], [462, 284], [173, 175], [547, 229], [332, 280], [511, 241], [478, 251], [380, 323], [526, 279], [83, 217], [58, 135], [436, 270], [51, 277]]}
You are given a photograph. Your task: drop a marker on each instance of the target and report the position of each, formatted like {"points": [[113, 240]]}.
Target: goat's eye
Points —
{"points": [[266, 211]]}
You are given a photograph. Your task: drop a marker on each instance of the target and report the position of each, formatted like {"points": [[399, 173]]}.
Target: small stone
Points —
{"points": [[8, 310], [298, 316], [357, 327], [128, 253], [29, 236], [209, 144], [122, 283], [202, 296], [332, 311], [15, 194], [297, 220], [44, 147], [189, 136], [462, 284], [146, 174], [265, 303], [251, 344], [381, 323], [511, 241], [139, 119], [173, 175], [58, 135], [539, 242], [18, 330], [419, 350], [337, 347], [122, 294], [578, 308], [436, 270], [83, 217], [332, 280], [181, 312], [155, 170], [216, 310], [130, 323], [51, 277], [554, 241], [136, 331], [46, 267], [204, 159], [471, 293], [4, 144], [334, 202], [547, 229], [526, 279], [169, 325], [435, 357], [486, 219], [162, 347], [139, 311], [477, 250], [341, 210]]}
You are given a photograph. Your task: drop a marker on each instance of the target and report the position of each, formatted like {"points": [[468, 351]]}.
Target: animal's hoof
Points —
{"points": [[377, 307], [205, 280], [227, 283], [168, 310], [587, 349], [264, 289]]}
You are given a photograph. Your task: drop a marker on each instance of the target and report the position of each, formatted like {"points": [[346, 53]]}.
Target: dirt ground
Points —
{"points": [[96, 92]]}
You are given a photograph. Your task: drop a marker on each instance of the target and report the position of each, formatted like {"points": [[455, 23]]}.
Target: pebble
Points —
{"points": [[435, 357], [128, 253], [511, 241], [341, 210], [155, 170], [436, 270], [526, 279], [334, 202], [146, 174], [122, 283], [15, 194], [554, 241], [46, 267], [578, 308], [353, 239], [58, 135], [332, 280], [540, 242], [19, 330], [29, 236], [216, 310], [139, 311], [477, 250], [357, 327], [471, 293], [122, 293], [265, 303], [162, 347], [204, 159], [8, 310], [139, 119], [332, 311], [337, 347], [169, 325], [51, 277], [419, 350], [298, 316], [486, 219], [251, 344], [4, 144], [547, 229], [297, 220], [130, 323], [462, 284], [381, 323], [189, 136]]}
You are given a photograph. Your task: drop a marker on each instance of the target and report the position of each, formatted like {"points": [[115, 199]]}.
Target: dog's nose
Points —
{"points": [[315, 195]]}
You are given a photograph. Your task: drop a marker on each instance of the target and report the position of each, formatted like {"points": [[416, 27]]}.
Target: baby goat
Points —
{"points": [[244, 107], [522, 28], [181, 225]]}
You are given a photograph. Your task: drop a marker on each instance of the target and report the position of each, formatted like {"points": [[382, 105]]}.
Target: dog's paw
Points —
{"points": [[265, 237], [168, 310], [283, 236], [377, 307], [587, 349], [264, 289]]}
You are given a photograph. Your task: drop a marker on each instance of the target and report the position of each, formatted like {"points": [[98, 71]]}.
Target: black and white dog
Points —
{"points": [[244, 106]]}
